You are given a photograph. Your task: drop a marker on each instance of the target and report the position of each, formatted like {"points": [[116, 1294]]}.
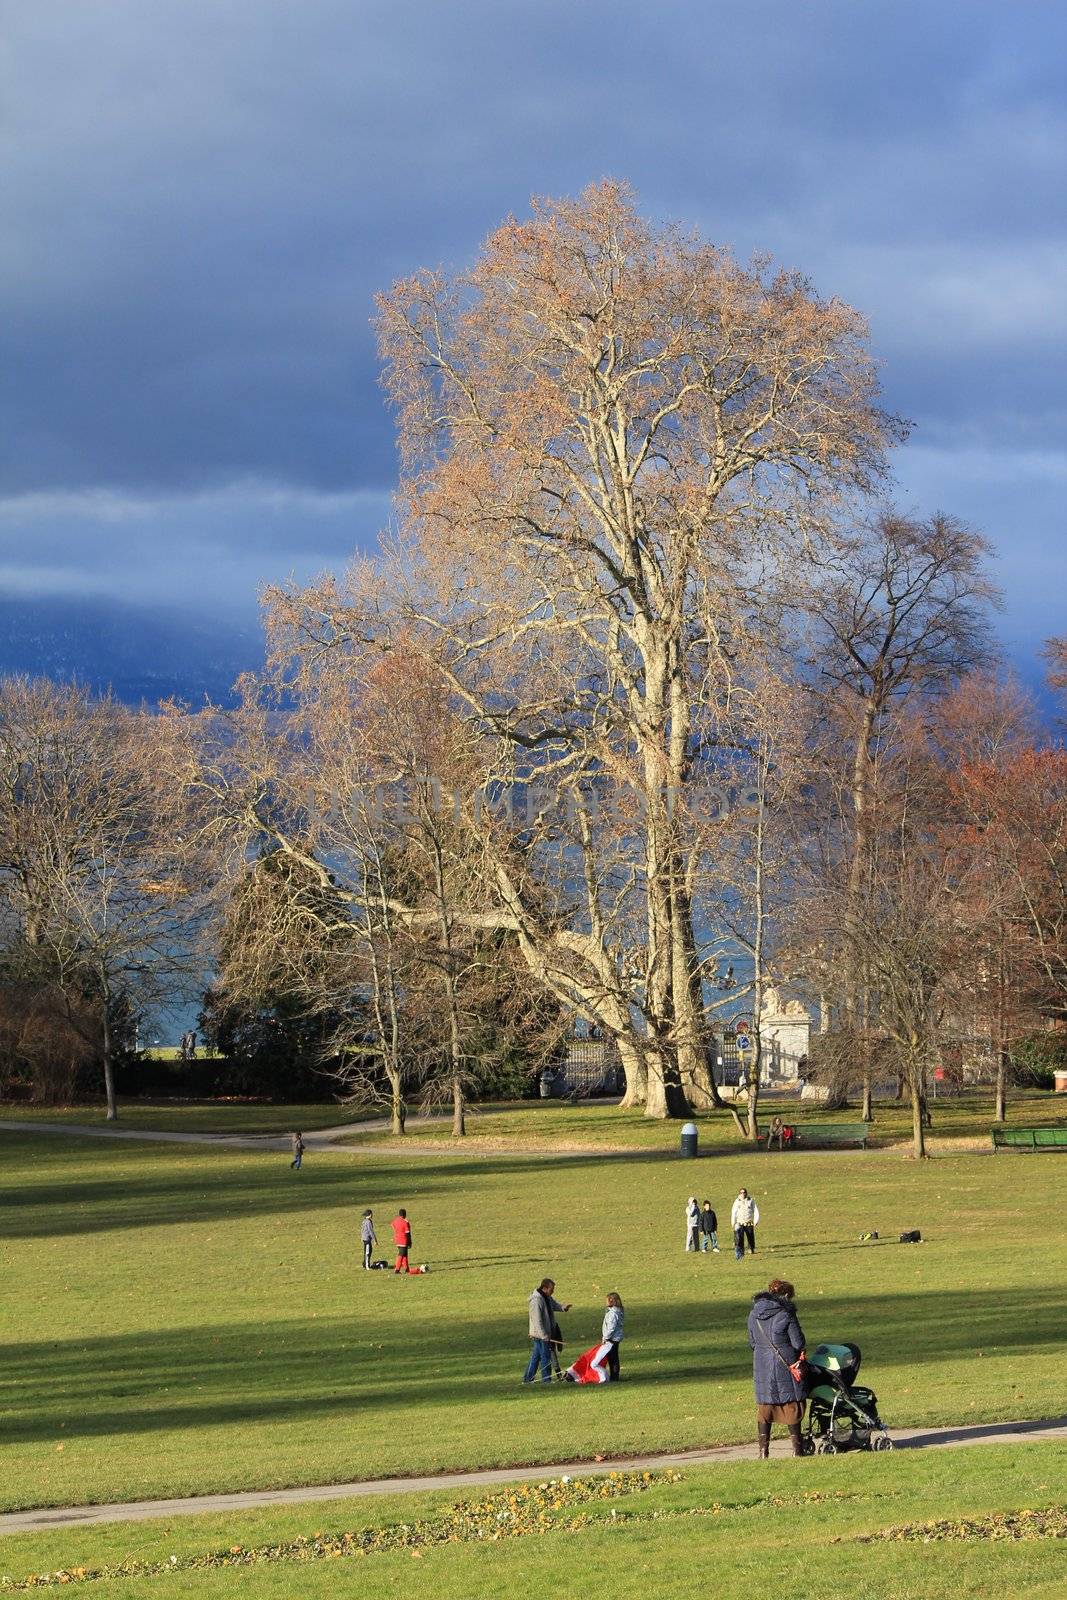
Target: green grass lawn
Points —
{"points": [[815, 1529], [599, 1126], [178, 1318], [193, 1116]]}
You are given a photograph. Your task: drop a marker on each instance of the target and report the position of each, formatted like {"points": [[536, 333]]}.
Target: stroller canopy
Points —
{"points": [[842, 1359]]}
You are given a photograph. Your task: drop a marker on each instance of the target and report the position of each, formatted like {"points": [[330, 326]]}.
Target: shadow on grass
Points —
{"points": [[146, 1185], [294, 1369]]}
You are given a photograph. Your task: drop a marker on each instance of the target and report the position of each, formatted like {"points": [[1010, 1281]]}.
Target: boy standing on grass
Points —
{"points": [[402, 1239], [369, 1237], [298, 1150]]}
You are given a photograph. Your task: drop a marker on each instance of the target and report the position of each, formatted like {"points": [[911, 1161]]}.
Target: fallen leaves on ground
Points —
{"points": [[1047, 1524]]}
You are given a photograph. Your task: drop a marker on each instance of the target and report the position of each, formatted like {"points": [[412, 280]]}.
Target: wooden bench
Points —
{"points": [[1029, 1139], [808, 1134], [813, 1133]]}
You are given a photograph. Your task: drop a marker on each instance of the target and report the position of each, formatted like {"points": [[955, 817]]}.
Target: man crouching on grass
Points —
{"points": [[543, 1310]]}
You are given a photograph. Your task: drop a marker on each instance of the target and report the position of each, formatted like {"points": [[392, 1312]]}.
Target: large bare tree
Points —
{"points": [[607, 430], [902, 614]]}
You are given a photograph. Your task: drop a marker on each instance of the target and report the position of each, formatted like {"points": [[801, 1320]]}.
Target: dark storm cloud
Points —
{"points": [[202, 198]]}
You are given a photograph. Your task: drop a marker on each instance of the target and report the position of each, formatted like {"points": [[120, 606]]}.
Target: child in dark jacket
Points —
{"points": [[709, 1228], [611, 1333], [298, 1150]]}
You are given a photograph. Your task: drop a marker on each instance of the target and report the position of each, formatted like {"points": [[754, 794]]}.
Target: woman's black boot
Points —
{"points": [[763, 1436], [795, 1439]]}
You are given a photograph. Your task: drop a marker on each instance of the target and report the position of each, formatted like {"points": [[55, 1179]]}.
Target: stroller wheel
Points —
{"points": [[825, 1446], [881, 1441], [807, 1445]]}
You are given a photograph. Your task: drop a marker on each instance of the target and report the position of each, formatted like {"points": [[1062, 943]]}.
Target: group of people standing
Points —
{"points": [[400, 1228], [774, 1334], [702, 1225], [597, 1365]]}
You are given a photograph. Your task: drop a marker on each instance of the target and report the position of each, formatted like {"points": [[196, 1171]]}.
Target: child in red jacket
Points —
{"points": [[402, 1238]]}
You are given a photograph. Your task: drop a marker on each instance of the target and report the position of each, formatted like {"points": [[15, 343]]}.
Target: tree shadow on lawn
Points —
{"points": [[164, 1185], [298, 1369]]}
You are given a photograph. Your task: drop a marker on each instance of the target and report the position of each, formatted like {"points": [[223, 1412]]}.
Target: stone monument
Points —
{"points": [[785, 1032]]}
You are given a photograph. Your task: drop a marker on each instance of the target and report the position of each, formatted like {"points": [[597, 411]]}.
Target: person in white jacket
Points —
{"points": [[692, 1223], [611, 1333], [743, 1219]]}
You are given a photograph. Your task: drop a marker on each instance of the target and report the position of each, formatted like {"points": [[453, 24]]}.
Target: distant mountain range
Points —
{"points": [[138, 652]]}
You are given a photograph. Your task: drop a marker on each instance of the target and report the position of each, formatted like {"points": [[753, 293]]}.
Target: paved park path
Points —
{"points": [[141, 1510], [317, 1139], [247, 1141]]}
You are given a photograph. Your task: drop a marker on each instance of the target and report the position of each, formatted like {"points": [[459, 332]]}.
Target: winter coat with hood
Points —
{"points": [[773, 1327]]}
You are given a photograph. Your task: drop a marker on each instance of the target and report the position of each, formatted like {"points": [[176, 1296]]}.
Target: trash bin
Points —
{"points": [[689, 1139], [1059, 1080], [548, 1083]]}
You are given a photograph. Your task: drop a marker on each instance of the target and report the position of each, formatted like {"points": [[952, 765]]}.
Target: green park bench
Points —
{"points": [[808, 1134], [1029, 1139], [823, 1133]]}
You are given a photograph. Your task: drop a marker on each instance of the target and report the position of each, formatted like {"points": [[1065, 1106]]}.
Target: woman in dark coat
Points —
{"points": [[777, 1341]]}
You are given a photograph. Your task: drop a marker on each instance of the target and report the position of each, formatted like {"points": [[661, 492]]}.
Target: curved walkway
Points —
{"points": [[249, 1141], [324, 1139], [143, 1510]]}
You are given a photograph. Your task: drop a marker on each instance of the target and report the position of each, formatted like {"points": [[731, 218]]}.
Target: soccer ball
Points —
{"points": [[424, 1268]]}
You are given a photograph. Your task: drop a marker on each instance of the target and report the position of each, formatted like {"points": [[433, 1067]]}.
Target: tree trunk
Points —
{"points": [[698, 1079], [633, 1065], [752, 1128], [665, 1097], [455, 1050], [1001, 1113], [398, 1110], [109, 1074], [919, 1113], [856, 1004]]}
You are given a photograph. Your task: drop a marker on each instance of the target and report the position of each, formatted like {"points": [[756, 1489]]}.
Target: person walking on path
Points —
{"points": [[743, 1219], [369, 1237], [692, 1223], [611, 1333], [778, 1344], [709, 1228], [402, 1239], [543, 1311], [298, 1150]]}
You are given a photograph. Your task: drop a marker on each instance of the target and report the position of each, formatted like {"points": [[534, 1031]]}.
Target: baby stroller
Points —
{"points": [[842, 1415]]}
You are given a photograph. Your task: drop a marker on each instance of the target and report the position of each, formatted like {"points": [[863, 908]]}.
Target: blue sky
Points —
{"points": [[202, 196]]}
